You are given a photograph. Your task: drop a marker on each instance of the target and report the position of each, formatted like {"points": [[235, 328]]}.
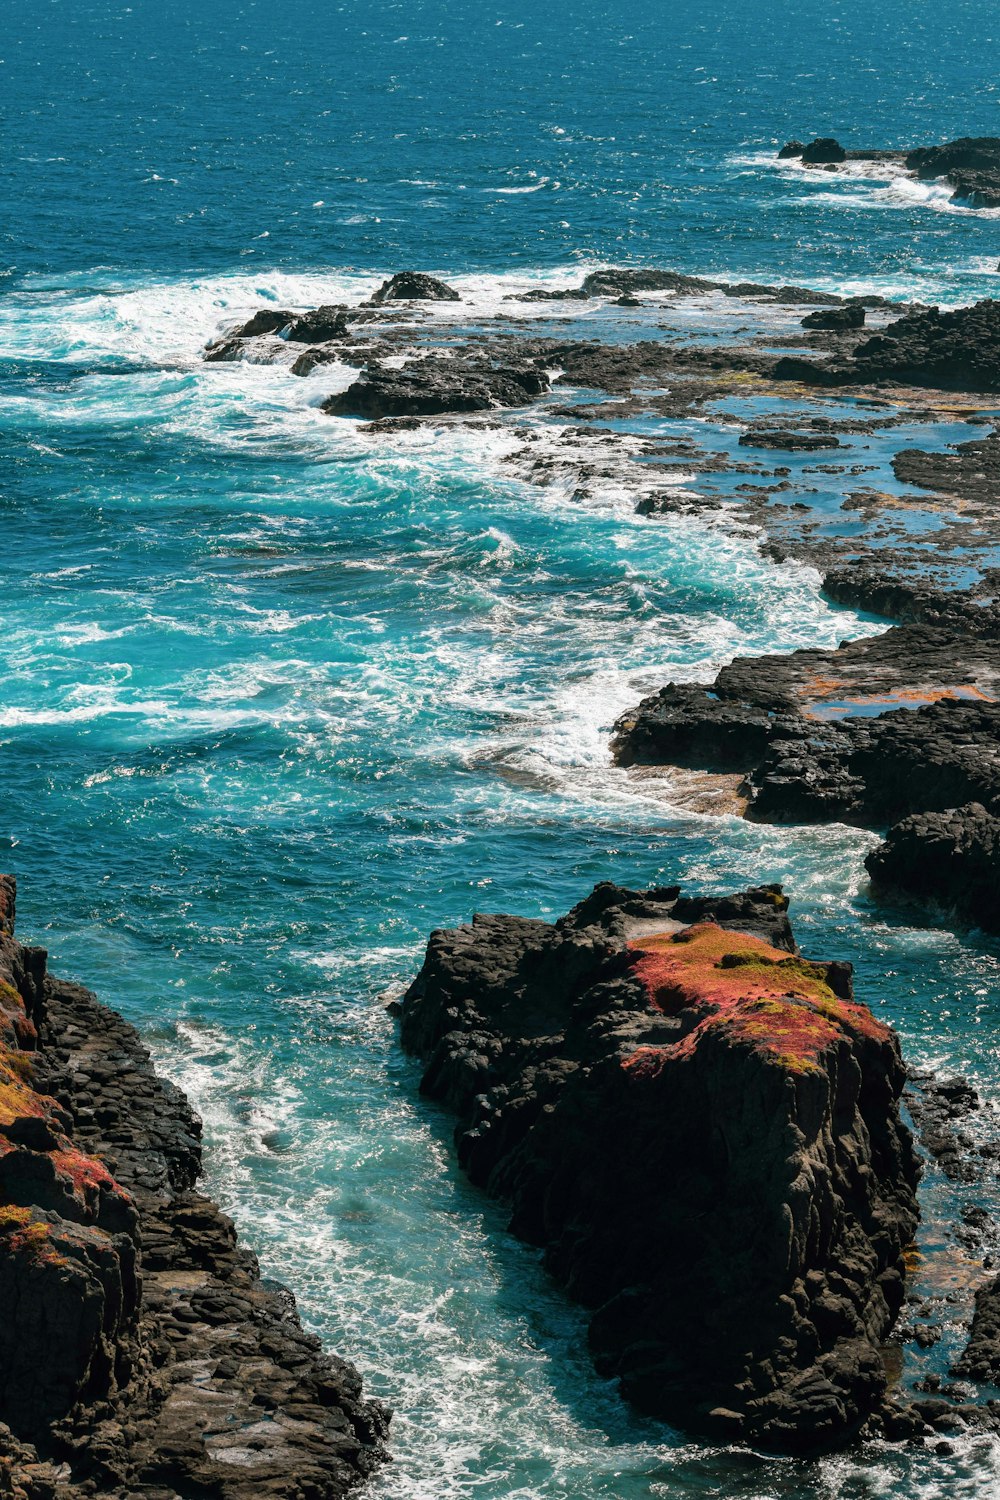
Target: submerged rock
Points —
{"points": [[701, 1129], [414, 286]]}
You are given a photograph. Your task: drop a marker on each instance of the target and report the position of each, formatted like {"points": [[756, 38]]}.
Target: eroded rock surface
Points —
{"points": [[701, 1129], [141, 1354]]}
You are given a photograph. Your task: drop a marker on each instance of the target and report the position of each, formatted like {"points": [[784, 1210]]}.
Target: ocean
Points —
{"points": [[279, 697]]}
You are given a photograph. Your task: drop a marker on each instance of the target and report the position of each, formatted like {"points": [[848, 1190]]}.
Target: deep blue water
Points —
{"points": [[278, 697]]}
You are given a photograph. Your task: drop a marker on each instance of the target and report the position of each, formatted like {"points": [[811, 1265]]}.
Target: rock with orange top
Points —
{"points": [[702, 1130]]}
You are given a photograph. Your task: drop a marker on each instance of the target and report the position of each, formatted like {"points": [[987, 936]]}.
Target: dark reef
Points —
{"points": [[141, 1353]]}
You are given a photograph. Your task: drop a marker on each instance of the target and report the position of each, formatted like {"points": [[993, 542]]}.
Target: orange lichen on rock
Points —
{"points": [[778, 1004], [820, 706], [17, 1097], [22, 1233], [16, 1030]]}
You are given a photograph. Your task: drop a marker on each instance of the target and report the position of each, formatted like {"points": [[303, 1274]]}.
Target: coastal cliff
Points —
{"points": [[141, 1353], [702, 1130]]}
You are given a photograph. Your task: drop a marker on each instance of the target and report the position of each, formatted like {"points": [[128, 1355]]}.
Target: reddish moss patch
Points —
{"points": [[85, 1174], [775, 1003]]}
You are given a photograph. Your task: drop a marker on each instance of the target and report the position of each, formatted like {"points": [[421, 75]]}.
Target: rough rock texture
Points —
{"points": [[822, 150], [971, 165], [957, 350], [788, 442], [899, 729], [414, 286], [836, 319], [318, 326], [431, 387], [140, 1352], [981, 1358], [949, 858], [702, 1130]]}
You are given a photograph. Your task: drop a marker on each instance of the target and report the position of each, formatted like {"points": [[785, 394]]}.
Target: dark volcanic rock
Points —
{"points": [[791, 149], [822, 150], [267, 320], [318, 326], [788, 442], [971, 165], [414, 286], [894, 729], [722, 1178], [430, 387], [141, 1354], [951, 858], [957, 350], [617, 283], [561, 294], [980, 1359], [836, 319]]}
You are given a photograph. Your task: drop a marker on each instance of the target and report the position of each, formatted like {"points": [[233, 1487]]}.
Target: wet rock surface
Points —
{"points": [[970, 165], [955, 350], [414, 286], [141, 1354], [919, 543], [431, 387], [701, 1129]]}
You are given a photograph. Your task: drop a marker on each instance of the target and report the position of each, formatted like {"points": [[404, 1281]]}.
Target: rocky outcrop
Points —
{"points": [[140, 1351], [822, 150], [701, 1129], [957, 350], [414, 286], [971, 165], [432, 387], [896, 731], [788, 442], [836, 319], [950, 859]]}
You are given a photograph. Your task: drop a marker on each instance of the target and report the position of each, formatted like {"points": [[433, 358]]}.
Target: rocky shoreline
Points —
{"points": [[141, 1352], [810, 736], [699, 1127], [970, 166]]}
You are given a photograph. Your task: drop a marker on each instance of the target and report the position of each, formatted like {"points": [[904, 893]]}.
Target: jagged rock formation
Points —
{"points": [[873, 733], [140, 1352], [970, 165], [414, 286], [948, 858], [701, 1128], [955, 350]]}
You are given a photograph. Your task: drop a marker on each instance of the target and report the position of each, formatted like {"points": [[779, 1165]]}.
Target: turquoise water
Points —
{"points": [[279, 697]]}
